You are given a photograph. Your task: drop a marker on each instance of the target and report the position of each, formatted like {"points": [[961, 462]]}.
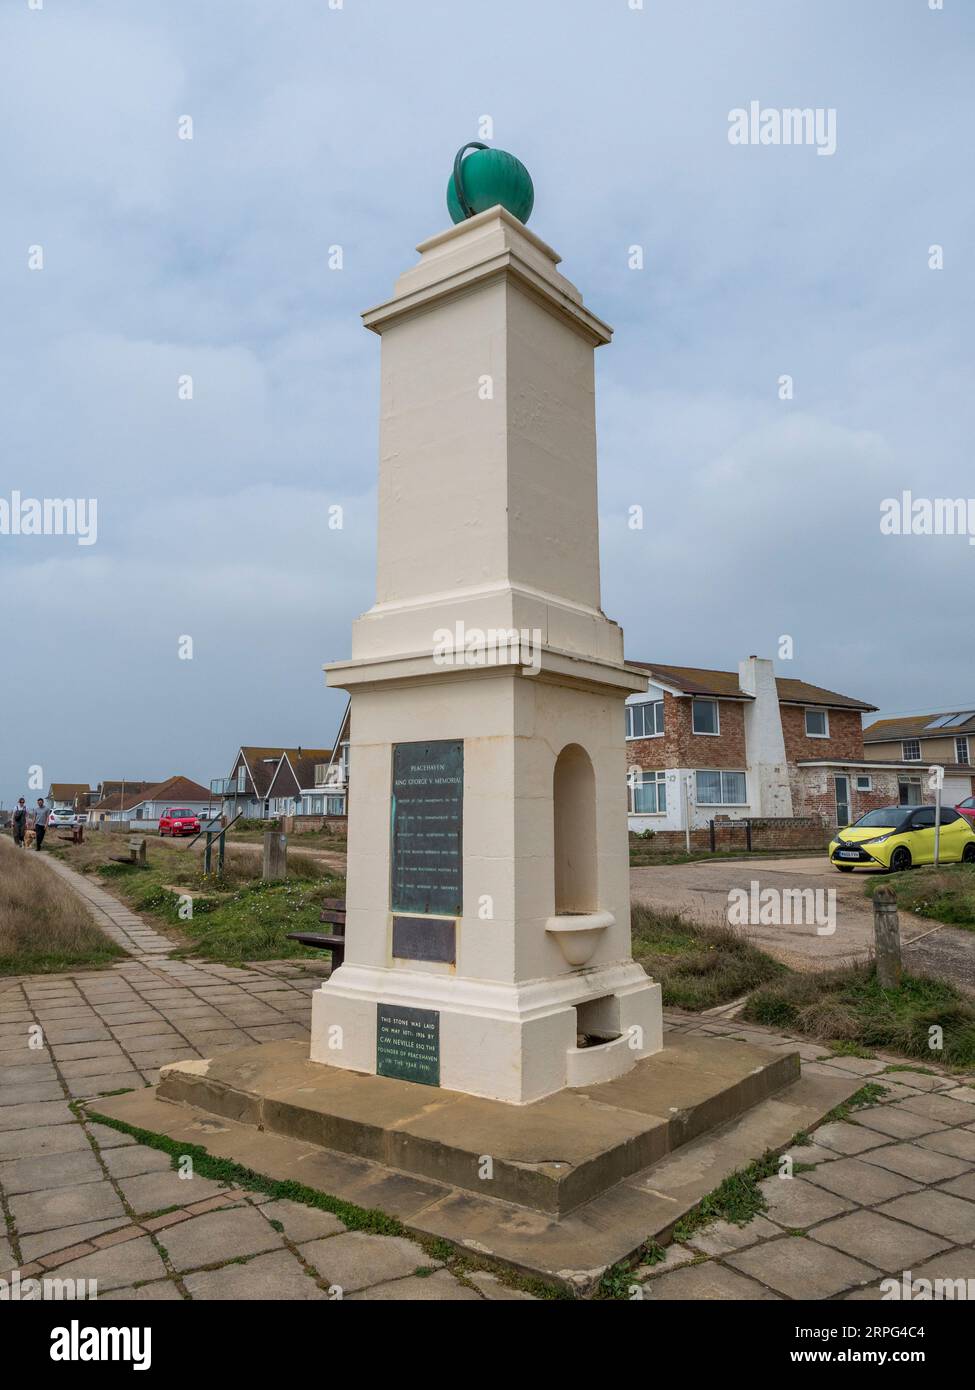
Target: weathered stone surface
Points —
{"points": [[38, 1172], [23, 1143], [266, 1278], [874, 1238], [923, 1165], [132, 1160], [302, 1223], [796, 1204], [64, 1206], [219, 1235], [958, 1142], [861, 1182], [440, 1287], [940, 1212], [794, 1266], [848, 1139], [357, 1260], [706, 1282], [898, 1123], [493, 1289], [721, 1237], [153, 1191], [131, 1263], [163, 1290]]}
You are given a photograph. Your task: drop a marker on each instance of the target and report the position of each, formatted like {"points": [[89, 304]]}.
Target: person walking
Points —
{"points": [[41, 817], [19, 822]]}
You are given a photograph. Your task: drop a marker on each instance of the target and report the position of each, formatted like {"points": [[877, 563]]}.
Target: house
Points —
{"points": [[704, 744], [929, 740], [69, 796], [142, 806], [248, 789], [298, 785], [336, 779], [107, 799]]}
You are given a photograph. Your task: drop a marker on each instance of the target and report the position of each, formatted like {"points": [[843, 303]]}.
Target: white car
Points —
{"points": [[60, 819]]}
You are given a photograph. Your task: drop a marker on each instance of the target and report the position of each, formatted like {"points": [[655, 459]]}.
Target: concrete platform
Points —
{"points": [[598, 1171], [552, 1155]]}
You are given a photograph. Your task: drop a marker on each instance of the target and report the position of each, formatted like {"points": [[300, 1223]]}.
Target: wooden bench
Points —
{"points": [[334, 912], [136, 851]]}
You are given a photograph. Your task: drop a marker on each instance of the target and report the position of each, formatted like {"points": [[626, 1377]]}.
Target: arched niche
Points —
{"points": [[574, 797]]}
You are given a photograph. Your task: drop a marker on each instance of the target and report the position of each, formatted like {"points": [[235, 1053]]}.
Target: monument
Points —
{"points": [[488, 1007], [488, 913]]}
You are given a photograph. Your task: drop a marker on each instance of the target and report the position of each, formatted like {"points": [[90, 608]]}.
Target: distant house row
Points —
{"points": [[701, 745]]}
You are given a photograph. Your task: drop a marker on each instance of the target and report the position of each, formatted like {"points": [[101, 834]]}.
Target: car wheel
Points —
{"points": [[900, 860], [968, 855]]}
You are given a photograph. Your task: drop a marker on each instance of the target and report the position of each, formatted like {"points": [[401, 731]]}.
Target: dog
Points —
{"points": [[30, 836]]}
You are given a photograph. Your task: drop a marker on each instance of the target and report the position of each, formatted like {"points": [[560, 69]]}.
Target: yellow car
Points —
{"points": [[898, 837]]}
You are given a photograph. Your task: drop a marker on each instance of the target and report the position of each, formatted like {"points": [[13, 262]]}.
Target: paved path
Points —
{"points": [[700, 889], [117, 921], [889, 1189]]}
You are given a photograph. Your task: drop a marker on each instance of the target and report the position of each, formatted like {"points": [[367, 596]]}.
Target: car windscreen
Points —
{"points": [[889, 817], [178, 811]]}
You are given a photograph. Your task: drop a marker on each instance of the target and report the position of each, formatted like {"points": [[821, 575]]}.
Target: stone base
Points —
{"points": [[503, 1042], [561, 1189]]}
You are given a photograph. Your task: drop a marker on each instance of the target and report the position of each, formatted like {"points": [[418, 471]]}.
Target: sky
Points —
{"points": [[132, 258]]}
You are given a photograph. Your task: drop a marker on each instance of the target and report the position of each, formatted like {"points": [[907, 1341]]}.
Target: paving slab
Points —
{"points": [[265, 1278], [163, 1290], [951, 1264], [357, 1259], [863, 1183], [960, 1143], [941, 1212], [495, 1290], [129, 1263], [38, 1172], [64, 1237], [797, 1204], [938, 1107], [878, 1240], [722, 1237], [301, 1223], [849, 1139], [219, 1235], [64, 1206], [134, 1160], [25, 1092], [798, 1268], [897, 1123], [963, 1186], [708, 1282], [923, 1165], [35, 1115], [439, 1287], [150, 1192]]}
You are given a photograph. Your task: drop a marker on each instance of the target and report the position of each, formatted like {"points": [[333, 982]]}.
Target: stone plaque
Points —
{"points": [[408, 1043], [425, 938], [427, 828]]}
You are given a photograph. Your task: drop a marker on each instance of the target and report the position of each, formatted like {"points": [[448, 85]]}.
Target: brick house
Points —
{"points": [[726, 745], [928, 740]]}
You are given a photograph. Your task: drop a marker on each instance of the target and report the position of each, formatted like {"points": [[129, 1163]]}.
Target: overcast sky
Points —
{"points": [[315, 126]]}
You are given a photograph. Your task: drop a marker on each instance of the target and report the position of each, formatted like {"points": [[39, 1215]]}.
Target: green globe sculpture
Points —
{"points": [[487, 177]]}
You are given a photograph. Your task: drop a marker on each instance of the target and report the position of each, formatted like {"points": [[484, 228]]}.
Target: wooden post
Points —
{"points": [[887, 937], [275, 855]]}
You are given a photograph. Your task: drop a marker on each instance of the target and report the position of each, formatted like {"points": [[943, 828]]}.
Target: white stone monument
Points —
{"points": [[488, 910]]}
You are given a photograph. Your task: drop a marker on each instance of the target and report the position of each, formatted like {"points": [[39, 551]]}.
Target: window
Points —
{"points": [[645, 720], [648, 794], [335, 805], [909, 791], [721, 789], [923, 820], [242, 778], [864, 784], [961, 750], [911, 750], [817, 723], [704, 716]]}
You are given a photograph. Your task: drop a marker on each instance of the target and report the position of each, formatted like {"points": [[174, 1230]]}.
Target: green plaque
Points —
{"points": [[408, 1043], [427, 828]]}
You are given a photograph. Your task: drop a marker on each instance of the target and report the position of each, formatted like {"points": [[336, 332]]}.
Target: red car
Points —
{"points": [[966, 808], [177, 820]]}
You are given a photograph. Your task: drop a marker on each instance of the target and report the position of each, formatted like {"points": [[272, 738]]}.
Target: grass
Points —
{"points": [[849, 1007], [235, 915], [643, 856], [44, 926], [307, 839], [945, 894], [699, 967]]}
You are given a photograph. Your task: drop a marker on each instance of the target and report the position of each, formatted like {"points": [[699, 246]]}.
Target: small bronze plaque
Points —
{"points": [[408, 1043], [425, 938], [427, 828]]}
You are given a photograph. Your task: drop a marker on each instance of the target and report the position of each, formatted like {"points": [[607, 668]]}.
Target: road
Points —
{"points": [[701, 889]]}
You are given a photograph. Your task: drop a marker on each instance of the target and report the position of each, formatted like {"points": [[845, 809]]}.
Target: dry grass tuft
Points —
{"points": [[44, 926]]}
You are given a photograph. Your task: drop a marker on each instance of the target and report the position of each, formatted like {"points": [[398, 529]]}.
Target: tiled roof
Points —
{"points": [[67, 791], [695, 680], [915, 726]]}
